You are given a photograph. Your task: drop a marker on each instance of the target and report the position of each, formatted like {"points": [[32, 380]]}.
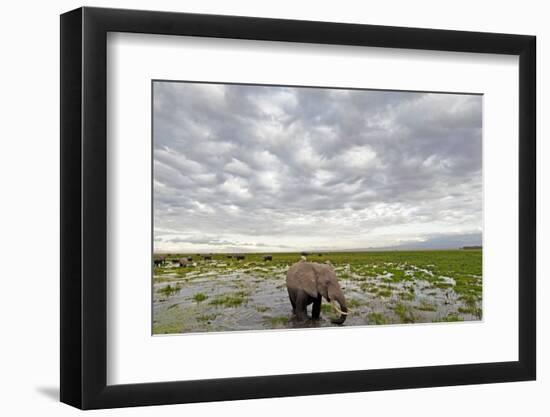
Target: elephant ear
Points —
{"points": [[324, 276], [307, 278]]}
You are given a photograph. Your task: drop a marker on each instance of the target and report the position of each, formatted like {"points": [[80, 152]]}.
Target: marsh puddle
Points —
{"points": [[254, 297]]}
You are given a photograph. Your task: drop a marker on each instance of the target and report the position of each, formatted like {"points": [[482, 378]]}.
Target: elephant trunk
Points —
{"points": [[342, 310]]}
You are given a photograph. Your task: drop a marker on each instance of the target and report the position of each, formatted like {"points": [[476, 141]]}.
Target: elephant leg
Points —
{"points": [[302, 299], [292, 297], [316, 309]]}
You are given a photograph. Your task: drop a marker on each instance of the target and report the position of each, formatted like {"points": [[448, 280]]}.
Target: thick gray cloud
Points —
{"points": [[257, 168]]}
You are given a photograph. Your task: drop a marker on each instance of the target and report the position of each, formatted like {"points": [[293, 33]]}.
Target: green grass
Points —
{"points": [[404, 313], [169, 290], [442, 285], [159, 270], [326, 308], [426, 307], [205, 318], [450, 318], [167, 328], [376, 318], [277, 321], [440, 262], [353, 303], [369, 288], [200, 297], [384, 292], [406, 296], [230, 300]]}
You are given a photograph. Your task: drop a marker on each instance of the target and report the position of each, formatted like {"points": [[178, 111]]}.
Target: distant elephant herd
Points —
{"points": [[160, 260], [306, 282]]}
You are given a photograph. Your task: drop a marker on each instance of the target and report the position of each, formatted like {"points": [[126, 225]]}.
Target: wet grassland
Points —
{"points": [[227, 294]]}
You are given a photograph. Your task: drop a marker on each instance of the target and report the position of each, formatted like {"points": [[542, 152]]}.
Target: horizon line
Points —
{"points": [[324, 251]]}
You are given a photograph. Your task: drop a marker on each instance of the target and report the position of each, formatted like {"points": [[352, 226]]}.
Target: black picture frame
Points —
{"points": [[84, 207]]}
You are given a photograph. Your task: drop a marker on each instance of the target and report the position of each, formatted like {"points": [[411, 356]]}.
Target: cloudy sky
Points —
{"points": [[258, 168]]}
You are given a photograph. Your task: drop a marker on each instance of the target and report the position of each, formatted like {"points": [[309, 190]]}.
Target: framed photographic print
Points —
{"points": [[257, 207]]}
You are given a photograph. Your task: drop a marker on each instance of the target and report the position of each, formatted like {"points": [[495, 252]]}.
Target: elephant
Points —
{"points": [[183, 262], [309, 282], [159, 260]]}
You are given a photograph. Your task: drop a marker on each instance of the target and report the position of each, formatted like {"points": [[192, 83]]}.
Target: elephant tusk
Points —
{"points": [[335, 306]]}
